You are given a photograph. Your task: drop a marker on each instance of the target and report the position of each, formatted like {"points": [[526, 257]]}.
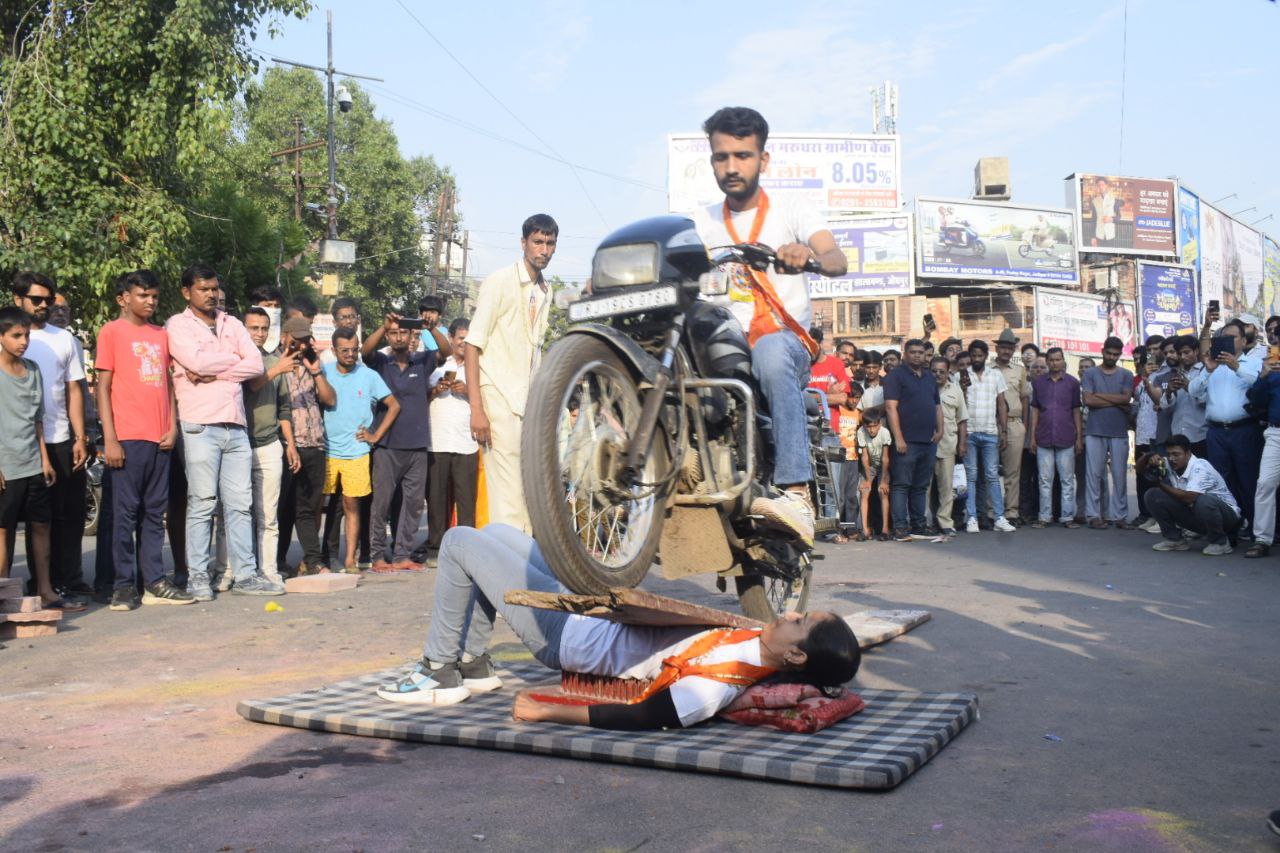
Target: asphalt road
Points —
{"points": [[1155, 674]]}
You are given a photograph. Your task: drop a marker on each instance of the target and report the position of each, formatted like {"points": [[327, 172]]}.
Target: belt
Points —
{"points": [[1232, 424]]}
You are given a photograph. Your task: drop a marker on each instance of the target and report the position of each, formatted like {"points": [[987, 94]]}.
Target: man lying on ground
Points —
{"points": [[696, 672]]}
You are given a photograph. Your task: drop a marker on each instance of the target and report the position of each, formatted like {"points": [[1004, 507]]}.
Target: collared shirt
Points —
{"points": [[308, 422], [225, 351], [509, 342], [266, 407], [1056, 401], [1223, 390], [1015, 380], [981, 399], [1189, 417], [954, 412], [411, 429], [917, 398], [872, 396], [450, 414], [1202, 478]]}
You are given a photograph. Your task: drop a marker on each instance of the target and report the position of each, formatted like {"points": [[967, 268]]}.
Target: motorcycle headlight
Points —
{"points": [[623, 266]]}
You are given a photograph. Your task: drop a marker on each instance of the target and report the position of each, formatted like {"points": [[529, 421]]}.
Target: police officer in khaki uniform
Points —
{"points": [[1016, 395]]}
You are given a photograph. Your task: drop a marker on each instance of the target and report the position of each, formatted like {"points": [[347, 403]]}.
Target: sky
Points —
{"points": [[535, 83]]}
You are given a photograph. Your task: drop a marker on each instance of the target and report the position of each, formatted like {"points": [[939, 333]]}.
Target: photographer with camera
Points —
{"points": [[1188, 492]]}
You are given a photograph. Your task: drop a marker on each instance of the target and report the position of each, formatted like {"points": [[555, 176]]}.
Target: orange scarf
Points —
{"points": [[770, 315], [733, 672]]}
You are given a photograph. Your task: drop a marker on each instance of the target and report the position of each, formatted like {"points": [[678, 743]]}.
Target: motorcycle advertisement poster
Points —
{"points": [[1230, 262], [996, 241], [1125, 215], [878, 249], [838, 173], [1167, 299], [1081, 322], [1189, 228]]}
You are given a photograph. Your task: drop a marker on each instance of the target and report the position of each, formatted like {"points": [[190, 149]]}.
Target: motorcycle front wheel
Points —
{"points": [[766, 597], [594, 533]]}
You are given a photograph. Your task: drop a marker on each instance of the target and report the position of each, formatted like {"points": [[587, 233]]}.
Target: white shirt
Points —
{"points": [[791, 219], [450, 415], [54, 352], [1202, 478], [872, 396], [600, 647]]}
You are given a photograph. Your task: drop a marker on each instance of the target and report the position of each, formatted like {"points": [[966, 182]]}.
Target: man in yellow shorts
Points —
{"points": [[348, 413]]}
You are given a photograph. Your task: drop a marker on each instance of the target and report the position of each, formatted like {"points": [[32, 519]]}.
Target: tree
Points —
{"points": [[106, 112]]}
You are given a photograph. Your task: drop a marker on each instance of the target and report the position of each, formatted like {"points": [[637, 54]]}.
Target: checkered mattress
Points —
{"points": [[892, 738]]}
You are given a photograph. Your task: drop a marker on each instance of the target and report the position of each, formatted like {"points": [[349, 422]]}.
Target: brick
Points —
{"points": [[35, 616], [14, 591], [331, 582], [10, 582], [25, 604], [22, 632]]}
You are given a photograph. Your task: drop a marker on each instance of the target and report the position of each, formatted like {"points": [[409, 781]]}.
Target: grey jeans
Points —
{"points": [[476, 569], [1209, 515], [1096, 448], [392, 468]]}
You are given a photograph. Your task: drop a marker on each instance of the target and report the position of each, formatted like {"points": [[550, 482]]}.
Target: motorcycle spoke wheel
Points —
{"points": [[766, 597]]}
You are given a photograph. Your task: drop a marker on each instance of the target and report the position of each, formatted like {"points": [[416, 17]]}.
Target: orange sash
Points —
{"points": [[729, 672], [770, 315]]}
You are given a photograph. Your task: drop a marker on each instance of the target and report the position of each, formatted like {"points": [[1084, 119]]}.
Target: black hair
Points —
{"points": [[914, 342], [873, 357], [257, 312], [22, 283], [540, 223], [1089, 359], [303, 306], [890, 352], [1184, 341], [1178, 440], [873, 415], [942, 347], [832, 653], [458, 325], [855, 389], [1051, 350], [860, 354], [266, 293], [738, 122], [978, 344], [1238, 323], [430, 303], [341, 334], [1274, 318], [12, 315], [1030, 346], [1112, 342], [344, 302], [1156, 341], [845, 342], [141, 279], [198, 272], [939, 358], [815, 332]]}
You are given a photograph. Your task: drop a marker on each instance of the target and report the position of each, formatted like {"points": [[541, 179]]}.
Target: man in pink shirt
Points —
{"points": [[213, 354]]}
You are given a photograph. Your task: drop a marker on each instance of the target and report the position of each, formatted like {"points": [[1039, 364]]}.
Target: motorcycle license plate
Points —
{"points": [[625, 302]]}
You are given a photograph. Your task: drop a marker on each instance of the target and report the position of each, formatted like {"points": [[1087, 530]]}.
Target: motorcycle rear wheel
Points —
{"points": [[765, 597], [979, 249], [581, 413]]}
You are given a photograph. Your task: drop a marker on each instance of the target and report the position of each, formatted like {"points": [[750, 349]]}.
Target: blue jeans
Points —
{"points": [[1064, 460], [219, 464], [983, 447], [910, 474], [780, 365]]}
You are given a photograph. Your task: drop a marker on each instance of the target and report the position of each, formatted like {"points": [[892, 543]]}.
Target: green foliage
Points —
{"points": [[107, 113]]}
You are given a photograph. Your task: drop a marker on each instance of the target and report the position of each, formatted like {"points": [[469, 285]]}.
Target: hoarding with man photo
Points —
{"points": [[1125, 215]]}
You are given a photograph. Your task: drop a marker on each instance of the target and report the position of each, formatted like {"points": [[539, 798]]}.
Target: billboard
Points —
{"points": [[1166, 300], [1125, 215], [879, 252], [1231, 262], [992, 240], [1189, 228], [838, 173], [1081, 322], [1270, 275]]}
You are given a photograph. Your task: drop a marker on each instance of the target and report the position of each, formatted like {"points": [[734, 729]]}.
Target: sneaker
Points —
{"points": [[948, 532], [1002, 525], [427, 686], [257, 585], [222, 581], [791, 512], [124, 598], [924, 535], [901, 536], [478, 675], [1150, 526], [163, 592], [1217, 549], [1171, 545], [199, 589], [1273, 822], [971, 526]]}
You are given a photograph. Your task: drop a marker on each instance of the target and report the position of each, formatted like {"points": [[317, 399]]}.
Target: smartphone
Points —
{"points": [[450, 376], [415, 323], [1222, 343], [928, 322], [1215, 306], [1273, 352]]}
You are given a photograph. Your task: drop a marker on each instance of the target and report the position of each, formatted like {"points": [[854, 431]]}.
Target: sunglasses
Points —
{"points": [[39, 300]]}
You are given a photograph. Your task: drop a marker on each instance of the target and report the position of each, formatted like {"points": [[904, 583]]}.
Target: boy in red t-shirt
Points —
{"points": [[136, 405]]}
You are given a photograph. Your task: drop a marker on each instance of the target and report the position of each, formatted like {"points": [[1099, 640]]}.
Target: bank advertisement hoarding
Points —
{"points": [[1166, 300], [878, 249], [995, 241], [1189, 228], [1081, 322], [1135, 216], [1231, 262], [837, 173]]}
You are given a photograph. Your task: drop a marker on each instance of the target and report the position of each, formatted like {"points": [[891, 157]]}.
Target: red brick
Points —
{"points": [[22, 632], [331, 582], [35, 616]]}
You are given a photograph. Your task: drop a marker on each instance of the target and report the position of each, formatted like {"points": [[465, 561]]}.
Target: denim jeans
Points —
{"points": [[1096, 449], [219, 464], [780, 365], [476, 569], [984, 448], [910, 474], [1064, 460]]}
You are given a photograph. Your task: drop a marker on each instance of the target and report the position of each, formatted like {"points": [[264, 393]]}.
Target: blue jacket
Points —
{"points": [[1265, 395]]}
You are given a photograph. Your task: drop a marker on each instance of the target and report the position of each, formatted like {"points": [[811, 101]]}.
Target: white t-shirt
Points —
{"points": [[600, 647], [54, 351], [450, 415], [872, 396], [791, 219]]}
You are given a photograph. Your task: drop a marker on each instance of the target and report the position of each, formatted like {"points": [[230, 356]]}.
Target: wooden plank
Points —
{"points": [[22, 632], [873, 627], [23, 604], [35, 616], [632, 607]]}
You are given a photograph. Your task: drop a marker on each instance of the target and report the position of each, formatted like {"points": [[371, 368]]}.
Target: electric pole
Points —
{"points": [[299, 185]]}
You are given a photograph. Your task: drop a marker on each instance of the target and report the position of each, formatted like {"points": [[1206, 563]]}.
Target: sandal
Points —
{"points": [[64, 605], [1097, 524], [1038, 524], [1259, 550], [1072, 525]]}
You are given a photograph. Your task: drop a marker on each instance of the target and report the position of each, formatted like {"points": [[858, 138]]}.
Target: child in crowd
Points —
{"points": [[873, 438]]}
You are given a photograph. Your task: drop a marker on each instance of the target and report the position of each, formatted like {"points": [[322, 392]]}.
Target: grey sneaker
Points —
{"points": [[427, 686], [1217, 549], [478, 675], [791, 511], [198, 587], [222, 581], [1171, 545], [257, 585], [163, 592]]}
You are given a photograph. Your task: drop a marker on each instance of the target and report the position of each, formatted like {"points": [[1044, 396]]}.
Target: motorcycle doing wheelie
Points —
{"points": [[640, 439]]}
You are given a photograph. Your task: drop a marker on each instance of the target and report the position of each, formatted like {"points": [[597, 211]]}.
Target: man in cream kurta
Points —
{"points": [[503, 350]]}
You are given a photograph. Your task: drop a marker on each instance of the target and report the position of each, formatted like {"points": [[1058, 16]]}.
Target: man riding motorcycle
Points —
{"points": [[772, 307]]}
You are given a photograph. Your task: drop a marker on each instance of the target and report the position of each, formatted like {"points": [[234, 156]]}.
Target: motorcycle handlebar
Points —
{"points": [[758, 256]]}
